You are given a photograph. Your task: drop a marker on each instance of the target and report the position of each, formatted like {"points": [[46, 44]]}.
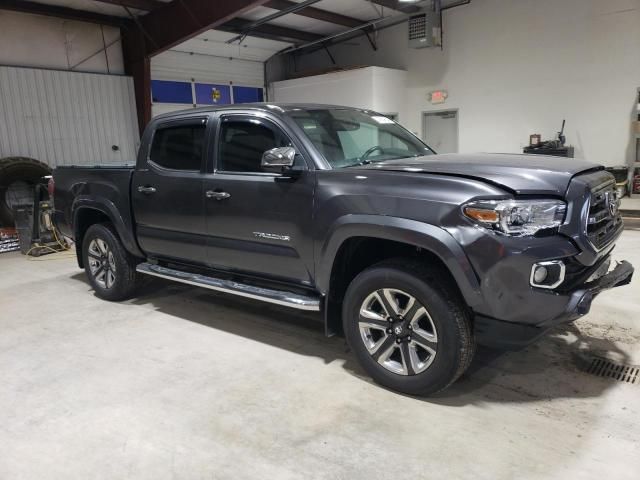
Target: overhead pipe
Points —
{"points": [[292, 9], [437, 8], [346, 32]]}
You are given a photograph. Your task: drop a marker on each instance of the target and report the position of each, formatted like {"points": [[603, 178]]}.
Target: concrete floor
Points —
{"points": [[181, 383], [630, 204]]}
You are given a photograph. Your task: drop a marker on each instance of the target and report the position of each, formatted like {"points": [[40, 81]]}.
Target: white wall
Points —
{"points": [[375, 88], [517, 67], [353, 88], [46, 42], [388, 85]]}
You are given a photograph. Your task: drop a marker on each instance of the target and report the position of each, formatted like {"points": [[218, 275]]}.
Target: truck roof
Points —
{"points": [[273, 107]]}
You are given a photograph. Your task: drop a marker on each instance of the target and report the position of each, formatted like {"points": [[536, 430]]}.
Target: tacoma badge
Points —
{"points": [[272, 236]]}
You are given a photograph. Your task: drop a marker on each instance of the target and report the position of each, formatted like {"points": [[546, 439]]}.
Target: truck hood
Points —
{"points": [[522, 174]]}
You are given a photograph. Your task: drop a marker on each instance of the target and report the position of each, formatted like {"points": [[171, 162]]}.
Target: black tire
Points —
{"points": [[16, 169], [122, 265], [448, 315]]}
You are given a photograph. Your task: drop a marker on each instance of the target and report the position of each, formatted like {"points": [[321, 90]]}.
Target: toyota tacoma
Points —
{"points": [[414, 257]]}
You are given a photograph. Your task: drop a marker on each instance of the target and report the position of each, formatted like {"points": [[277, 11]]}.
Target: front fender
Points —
{"points": [[428, 237]]}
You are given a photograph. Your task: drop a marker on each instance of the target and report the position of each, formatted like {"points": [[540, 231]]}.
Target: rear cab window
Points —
{"points": [[179, 147]]}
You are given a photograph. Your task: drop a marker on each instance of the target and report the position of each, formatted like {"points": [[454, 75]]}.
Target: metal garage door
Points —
{"points": [[181, 80], [67, 118]]}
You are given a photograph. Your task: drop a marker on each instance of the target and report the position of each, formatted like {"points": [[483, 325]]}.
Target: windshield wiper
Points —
{"points": [[359, 164], [366, 161]]}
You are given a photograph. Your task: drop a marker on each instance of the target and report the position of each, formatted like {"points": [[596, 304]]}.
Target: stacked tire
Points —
{"points": [[16, 171]]}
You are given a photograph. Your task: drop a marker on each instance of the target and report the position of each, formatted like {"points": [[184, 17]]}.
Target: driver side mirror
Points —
{"points": [[278, 160]]}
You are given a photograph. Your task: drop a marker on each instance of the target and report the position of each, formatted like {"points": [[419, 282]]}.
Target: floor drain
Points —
{"points": [[615, 371]]}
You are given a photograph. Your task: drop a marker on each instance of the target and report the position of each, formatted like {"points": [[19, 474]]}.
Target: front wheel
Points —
{"points": [[408, 326], [110, 268]]}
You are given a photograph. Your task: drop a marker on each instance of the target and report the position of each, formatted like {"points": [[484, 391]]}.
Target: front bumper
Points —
{"points": [[510, 335]]}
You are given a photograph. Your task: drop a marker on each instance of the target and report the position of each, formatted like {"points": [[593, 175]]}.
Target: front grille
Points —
{"points": [[604, 220]]}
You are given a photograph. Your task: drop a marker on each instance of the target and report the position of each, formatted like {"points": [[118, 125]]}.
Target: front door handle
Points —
{"points": [[148, 190], [217, 195]]}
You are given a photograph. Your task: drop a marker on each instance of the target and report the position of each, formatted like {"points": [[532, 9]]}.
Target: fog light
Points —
{"points": [[539, 274], [547, 274]]}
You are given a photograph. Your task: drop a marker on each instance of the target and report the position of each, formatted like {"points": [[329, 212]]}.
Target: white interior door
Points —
{"points": [[440, 130]]}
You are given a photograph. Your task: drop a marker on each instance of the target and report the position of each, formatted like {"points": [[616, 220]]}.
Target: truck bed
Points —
{"points": [[102, 187]]}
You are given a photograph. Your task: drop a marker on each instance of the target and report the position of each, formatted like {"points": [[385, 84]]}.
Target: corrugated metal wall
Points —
{"points": [[67, 118]]}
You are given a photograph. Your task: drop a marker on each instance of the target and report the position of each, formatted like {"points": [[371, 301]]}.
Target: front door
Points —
{"points": [[257, 222], [168, 196]]}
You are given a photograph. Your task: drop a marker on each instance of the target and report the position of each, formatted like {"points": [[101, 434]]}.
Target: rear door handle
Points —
{"points": [[148, 190], [217, 195]]}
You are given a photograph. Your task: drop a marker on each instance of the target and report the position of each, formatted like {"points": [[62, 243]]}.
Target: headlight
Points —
{"points": [[517, 217]]}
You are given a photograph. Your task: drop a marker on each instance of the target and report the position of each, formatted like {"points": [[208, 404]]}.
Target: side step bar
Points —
{"points": [[279, 297]]}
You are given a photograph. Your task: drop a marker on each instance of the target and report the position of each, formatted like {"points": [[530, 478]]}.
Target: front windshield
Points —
{"points": [[349, 137]]}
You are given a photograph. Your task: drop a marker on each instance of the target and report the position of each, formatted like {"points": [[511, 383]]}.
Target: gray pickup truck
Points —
{"points": [[414, 257]]}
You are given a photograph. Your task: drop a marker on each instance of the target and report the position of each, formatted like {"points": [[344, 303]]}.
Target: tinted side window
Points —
{"points": [[242, 143], [179, 147]]}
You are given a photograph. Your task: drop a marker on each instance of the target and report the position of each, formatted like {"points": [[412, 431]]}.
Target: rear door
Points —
{"points": [[168, 196], [258, 222]]}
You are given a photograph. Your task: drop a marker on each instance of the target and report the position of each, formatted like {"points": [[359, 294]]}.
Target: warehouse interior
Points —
{"points": [[184, 382]]}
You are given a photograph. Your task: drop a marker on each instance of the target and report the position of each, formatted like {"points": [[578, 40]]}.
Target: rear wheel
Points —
{"points": [[408, 327], [111, 270]]}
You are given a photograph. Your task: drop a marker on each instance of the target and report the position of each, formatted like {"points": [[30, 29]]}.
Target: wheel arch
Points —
{"points": [[359, 241], [89, 211]]}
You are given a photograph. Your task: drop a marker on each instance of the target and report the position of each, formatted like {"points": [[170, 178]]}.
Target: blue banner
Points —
{"points": [[163, 91], [247, 94]]}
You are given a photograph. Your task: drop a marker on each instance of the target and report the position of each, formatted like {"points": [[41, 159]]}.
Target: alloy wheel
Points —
{"points": [[398, 331], [102, 263]]}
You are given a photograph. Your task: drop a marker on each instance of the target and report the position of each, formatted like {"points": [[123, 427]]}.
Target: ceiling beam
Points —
{"points": [[397, 5], [315, 13], [147, 5], [268, 31], [62, 12], [309, 12], [271, 32], [263, 20], [180, 20]]}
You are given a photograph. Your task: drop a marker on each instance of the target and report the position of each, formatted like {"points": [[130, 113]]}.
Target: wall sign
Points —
{"points": [[437, 96], [212, 94]]}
